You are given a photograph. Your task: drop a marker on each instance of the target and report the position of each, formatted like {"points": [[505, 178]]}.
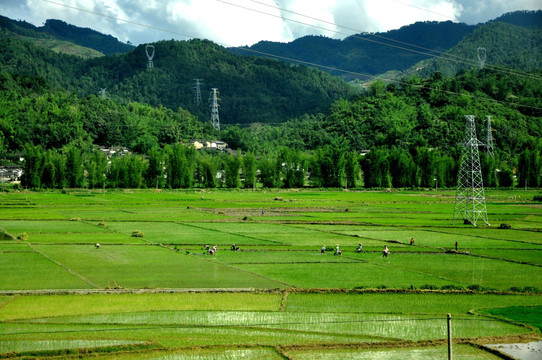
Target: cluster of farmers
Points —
{"points": [[359, 249], [212, 250]]}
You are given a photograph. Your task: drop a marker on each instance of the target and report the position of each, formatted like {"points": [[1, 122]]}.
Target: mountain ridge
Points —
{"points": [[377, 53]]}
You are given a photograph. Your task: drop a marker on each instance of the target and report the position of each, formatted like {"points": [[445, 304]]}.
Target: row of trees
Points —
{"points": [[179, 166]]}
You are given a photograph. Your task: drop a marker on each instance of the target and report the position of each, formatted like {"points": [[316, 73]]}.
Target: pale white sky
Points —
{"points": [[231, 23]]}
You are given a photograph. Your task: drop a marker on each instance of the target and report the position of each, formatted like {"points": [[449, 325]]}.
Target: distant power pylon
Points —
{"points": [[197, 91], [150, 57], [489, 137], [214, 108], [470, 200], [482, 54], [102, 93]]}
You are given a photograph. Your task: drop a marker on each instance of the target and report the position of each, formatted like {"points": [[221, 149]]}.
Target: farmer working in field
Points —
{"points": [[385, 252]]}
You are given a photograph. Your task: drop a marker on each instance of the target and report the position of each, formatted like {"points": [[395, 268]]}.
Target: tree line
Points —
{"points": [[181, 166]]}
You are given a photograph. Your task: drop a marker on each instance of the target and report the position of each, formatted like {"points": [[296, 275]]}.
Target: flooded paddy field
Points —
{"points": [[161, 295]]}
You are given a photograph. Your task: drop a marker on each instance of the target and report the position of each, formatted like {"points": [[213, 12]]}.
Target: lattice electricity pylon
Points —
{"points": [[470, 200], [150, 57], [482, 54], [214, 108], [197, 91], [489, 137]]}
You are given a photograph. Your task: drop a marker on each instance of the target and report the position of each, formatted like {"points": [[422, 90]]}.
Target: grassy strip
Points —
{"points": [[26, 307]]}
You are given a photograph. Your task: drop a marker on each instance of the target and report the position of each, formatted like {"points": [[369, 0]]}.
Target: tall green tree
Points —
{"points": [[180, 165], [376, 168], [489, 176], [155, 171], [232, 165], [402, 168], [351, 169], [206, 170], [74, 166], [249, 170], [96, 167], [529, 168], [328, 167], [426, 169], [33, 165], [292, 168], [268, 173]]}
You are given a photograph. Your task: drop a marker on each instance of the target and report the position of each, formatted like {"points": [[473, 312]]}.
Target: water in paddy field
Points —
{"points": [[41, 345], [246, 354], [521, 351]]}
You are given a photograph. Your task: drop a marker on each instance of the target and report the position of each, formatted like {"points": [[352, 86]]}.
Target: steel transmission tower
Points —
{"points": [[214, 108], [197, 91], [470, 200], [482, 54], [489, 137], [150, 56]]}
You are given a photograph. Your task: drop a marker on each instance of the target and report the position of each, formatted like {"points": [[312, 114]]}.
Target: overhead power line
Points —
{"points": [[425, 9], [423, 50], [308, 63]]}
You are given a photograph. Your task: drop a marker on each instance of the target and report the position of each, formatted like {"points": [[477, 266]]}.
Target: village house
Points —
{"points": [[211, 144], [10, 173]]}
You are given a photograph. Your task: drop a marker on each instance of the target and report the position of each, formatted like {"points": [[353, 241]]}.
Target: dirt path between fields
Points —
{"points": [[126, 291]]}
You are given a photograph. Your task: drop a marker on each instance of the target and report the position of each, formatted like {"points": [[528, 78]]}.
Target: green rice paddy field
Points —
{"points": [[162, 296]]}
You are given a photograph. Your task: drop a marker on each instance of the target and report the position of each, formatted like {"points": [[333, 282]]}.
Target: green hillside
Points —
{"points": [[64, 47], [251, 89], [61, 31], [506, 46]]}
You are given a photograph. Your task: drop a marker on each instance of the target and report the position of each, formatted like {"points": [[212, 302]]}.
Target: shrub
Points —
{"points": [[429, 287], [137, 233], [476, 287], [246, 218], [531, 289], [75, 219], [23, 236], [537, 198], [505, 226], [452, 287], [101, 224]]}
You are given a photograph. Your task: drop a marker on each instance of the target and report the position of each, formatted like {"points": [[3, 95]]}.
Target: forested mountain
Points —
{"points": [[252, 89], [369, 53], [59, 30], [375, 54], [523, 18]]}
